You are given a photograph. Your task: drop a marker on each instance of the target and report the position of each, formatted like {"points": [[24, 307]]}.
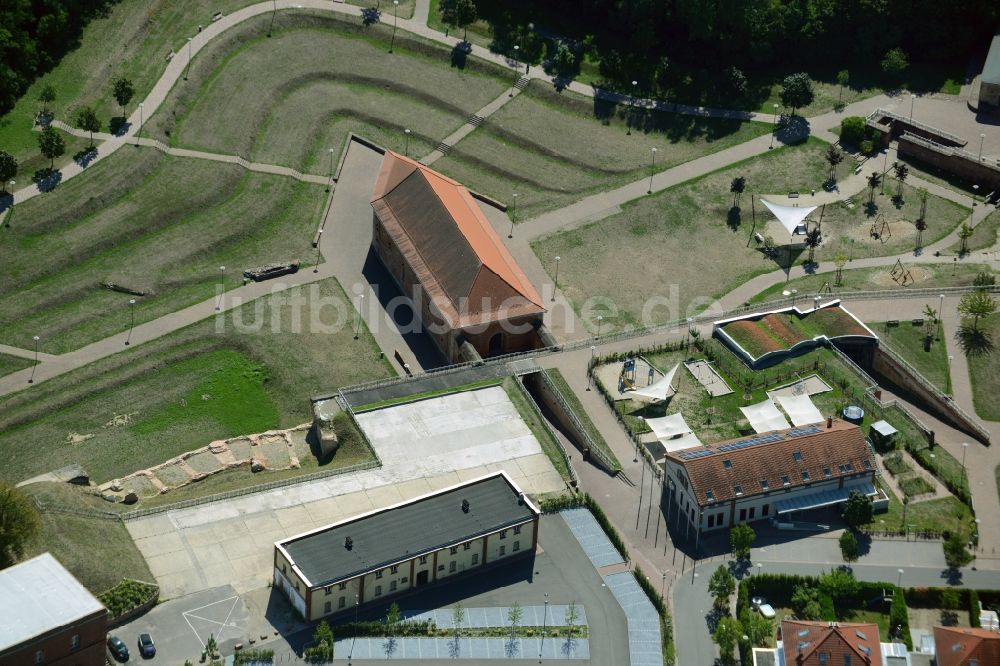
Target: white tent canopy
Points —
{"points": [[686, 441], [669, 426], [800, 409], [764, 417], [791, 217], [658, 391]]}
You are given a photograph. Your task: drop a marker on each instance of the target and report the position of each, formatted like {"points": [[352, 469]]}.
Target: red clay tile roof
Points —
{"points": [[829, 643], [829, 449], [957, 646], [450, 245]]}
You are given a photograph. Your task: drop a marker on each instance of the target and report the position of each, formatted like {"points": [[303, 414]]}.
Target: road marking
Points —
{"points": [[222, 625]]}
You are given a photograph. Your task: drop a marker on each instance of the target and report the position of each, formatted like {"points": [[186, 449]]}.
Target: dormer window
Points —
{"points": [[785, 480], [727, 463], [738, 489], [827, 471], [764, 484], [805, 475], [710, 495], [797, 456]]}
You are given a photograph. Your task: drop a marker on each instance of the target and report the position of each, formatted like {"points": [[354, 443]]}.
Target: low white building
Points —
{"points": [[771, 475]]}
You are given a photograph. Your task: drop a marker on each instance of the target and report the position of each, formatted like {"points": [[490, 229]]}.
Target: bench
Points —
{"points": [[757, 237], [891, 323], [170, 56], [858, 169], [216, 16], [793, 195], [917, 322]]}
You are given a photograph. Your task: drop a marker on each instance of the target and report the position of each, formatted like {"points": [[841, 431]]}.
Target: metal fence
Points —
{"points": [[606, 458]]}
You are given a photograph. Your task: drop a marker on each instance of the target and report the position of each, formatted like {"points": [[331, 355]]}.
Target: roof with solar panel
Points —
{"points": [[766, 462]]}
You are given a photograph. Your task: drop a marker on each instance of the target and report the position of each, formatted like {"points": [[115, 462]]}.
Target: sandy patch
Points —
{"points": [[917, 274], [900, 229]]}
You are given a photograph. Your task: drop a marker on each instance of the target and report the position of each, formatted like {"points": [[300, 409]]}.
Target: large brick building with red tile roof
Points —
{"points": [[830, 644], [443, 253], [771, 474], [962, 646]]}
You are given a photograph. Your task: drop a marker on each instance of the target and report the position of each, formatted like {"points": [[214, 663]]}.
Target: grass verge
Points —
{"points": [[539, 428], [907, 340], [581, 414], [9, 364], [984, 369]]}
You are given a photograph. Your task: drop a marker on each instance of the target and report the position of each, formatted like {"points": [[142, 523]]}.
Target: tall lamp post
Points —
{"points": [[590, 369], [517, 71], [329, 183], [775, 130], [652, 169], [982, 137], [395, 13], [545, 626], [600, 319], [555, 287], [965, 448], [913, 98], [31, 379], [11, 213], [406, 142], [131, 325], [885, 166], [513, 213], [187, 67], [222, 286], [975, 195], [319, 242], [357, 322], [631, 108]]}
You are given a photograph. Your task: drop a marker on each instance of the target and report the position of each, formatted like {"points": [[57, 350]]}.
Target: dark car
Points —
{"points": [[117, 648], [146, 647]]}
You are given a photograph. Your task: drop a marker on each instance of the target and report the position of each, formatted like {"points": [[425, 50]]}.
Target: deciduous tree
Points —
{"points": [[834, 156], [52, 145], [8, 168], [741, 540], [895, 63], [857, 509], [721, 586], [46, 97], [737, 186], [797, 91], [977, 304], [726, 633], [86, 119], [18, 523], [458, 14], [123, 92], [849, 546], [843, 78], [955, 553]]}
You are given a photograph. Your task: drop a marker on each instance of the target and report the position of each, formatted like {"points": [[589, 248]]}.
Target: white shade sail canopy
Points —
{"points": [[669, 426], [658, 391], [686, 441], [791, 217], [800, 409], [764, 417]]}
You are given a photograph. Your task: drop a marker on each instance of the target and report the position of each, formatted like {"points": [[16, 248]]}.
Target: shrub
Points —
{"points": [[955, 553], [974, 608], [852, 130], [849, 546], [253, 657], [126, 596], [899, 621]]}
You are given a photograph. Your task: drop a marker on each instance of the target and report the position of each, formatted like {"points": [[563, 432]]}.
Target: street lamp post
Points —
{"points": [[406, 142], [139, 133], [131, 325], [885, 165], [545, 626], [600, 318], [513, 213], [11, 213], [775, 130], [631, 108], [319, 241], [965, 448], [687, 332], [395, 13], [517, 71], [31, 379], [982, 137], [357, 323], [555, 287], [899, 578], [590, 368], [222, 286], [975, 195], [913, 98], [652, 169], [329, 183]]}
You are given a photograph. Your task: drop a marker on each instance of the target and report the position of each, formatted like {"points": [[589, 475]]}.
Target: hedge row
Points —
{"points": [[253, 657]]}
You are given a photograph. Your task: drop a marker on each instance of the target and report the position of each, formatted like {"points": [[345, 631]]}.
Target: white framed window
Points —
{"points": [[452, 566], [503, 551], [517, 529], [517, 546], [475, 558], [328, 608], [466, 546], [394, 569], [423, 559], [392, 586], [341, 586], [503, 534], [378, 590], [378, 574], [327, 590], [453, 550], [440, 567]]}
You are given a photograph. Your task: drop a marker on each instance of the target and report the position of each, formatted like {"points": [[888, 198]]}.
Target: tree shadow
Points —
{"points": [[511, 648], [949, 618], [6, 201], [370, 16], [460, 54], [560, 83], [85, 157], [740, 568], [864, 543], [712, 618], [974, 341], [793, 130], [46, 179], [119, 126], [952, 576], [897, 201], [871, 208], [389, 647], [733, 218]]}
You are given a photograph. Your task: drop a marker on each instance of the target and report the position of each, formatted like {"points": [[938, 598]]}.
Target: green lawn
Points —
{"points": [[668, 255], [875, 279], [553, 148], [984, 369], [286, 100], [99, 552], [479, 33], [984, 235], [907, 340], [149, 222], [9, 364], [132, 40], [403, 10], [250, 370], [936, 515]]}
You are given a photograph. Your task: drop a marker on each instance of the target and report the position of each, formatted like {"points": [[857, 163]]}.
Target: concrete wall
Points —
{"points": [[981, 173], [939, 405], [989, 97], [57, 646]]}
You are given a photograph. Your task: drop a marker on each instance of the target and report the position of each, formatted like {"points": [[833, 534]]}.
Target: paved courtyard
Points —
{"points": [[424, 446]]}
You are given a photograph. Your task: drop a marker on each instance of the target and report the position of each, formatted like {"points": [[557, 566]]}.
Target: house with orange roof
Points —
{"points": [[962, 646], [432, 237], [830, 644]]}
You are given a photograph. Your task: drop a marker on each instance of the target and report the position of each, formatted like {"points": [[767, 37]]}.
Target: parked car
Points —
{"points": [[755, 602], [146, 647], [117, 648], [766, 611]]}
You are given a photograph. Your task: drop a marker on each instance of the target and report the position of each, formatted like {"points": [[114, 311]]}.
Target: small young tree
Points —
{"points": [[805, 602], [840, 261], [87, 120], [737, 186], [52, 145], [727, 632], [921, 226], [721, 586], [839, 584], [572, 616], [797, 91], [901, 171], [814, 238], [857, 509], [514, 615], [843, 78], [964, 233], [123, 92], [873, 182], [955, 553], [834, 156], [977, 304], [564, 61], [741, 540], [849, 546], [18, 523], [46, 96], [8, 168]]}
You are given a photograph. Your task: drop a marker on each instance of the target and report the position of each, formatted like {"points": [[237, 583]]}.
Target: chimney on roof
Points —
{"points": [[520, 499], [465, 506], [829, 422], [348, 543]]}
